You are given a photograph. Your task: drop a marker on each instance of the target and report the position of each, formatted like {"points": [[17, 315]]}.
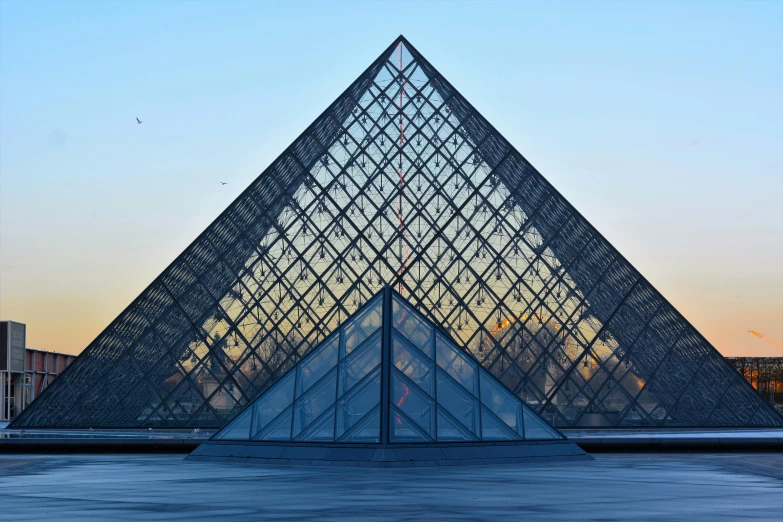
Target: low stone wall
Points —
{"points": [[392, 456], [682, 443], [97, 445]]}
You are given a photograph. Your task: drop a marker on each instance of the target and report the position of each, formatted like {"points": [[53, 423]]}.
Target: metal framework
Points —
{"points": [[401, 181]]}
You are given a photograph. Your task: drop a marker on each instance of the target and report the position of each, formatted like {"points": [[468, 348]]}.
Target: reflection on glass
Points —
{"points": [[278, 429], [321, 430], [537, 429], [315, 366], [461, 405], [457, 363], [315, 402], [451, 430], [414, 365], [366, 430], [403, 430], [408, 322], [504, 405], [493, 428], [363, 325], [273, 402], [354, 367], [358, 402], [239, 428], [413, 403]]}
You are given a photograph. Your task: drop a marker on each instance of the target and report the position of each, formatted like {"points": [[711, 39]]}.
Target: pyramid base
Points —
{"points": [[390, 456]]}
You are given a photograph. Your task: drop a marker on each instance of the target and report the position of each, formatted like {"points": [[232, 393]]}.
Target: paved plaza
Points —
{"points": [[613, 487]]}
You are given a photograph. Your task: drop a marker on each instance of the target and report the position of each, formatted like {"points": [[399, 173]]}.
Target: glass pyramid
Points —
{"points": [[387, 376], [401, 181]]}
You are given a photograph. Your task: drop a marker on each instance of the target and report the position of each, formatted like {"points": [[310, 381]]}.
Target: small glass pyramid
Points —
{"points": [[387, 376]]}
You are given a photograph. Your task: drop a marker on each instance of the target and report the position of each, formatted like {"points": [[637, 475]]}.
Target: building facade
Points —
{"points": [[763, 373], [24, 372]]}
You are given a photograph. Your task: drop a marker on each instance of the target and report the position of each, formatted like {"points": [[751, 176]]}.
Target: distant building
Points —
{"points": [[763, 373], [24, 372]]}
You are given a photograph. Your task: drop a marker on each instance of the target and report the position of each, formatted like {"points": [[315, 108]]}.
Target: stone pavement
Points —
{"points": [[613, 487]]}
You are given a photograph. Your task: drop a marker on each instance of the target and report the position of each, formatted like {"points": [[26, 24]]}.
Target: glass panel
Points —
{"points": [[457, 363], [273, 402], [414, 365], [537, 429], [321, 430], [280, 428], [315, 402], [366, 430], [408, 322], [449, 429], [238, 429], [359, 363], [458, 402], [315, 366], [363, 325], [498, 399], [403, 430], [493, 428], [413, 403], [356, 404]]}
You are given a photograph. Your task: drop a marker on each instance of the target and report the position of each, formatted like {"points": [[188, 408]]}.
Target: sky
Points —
{"points": [[661, 122]]}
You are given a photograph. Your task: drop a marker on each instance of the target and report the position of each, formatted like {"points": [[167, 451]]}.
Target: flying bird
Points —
{"points": [[138, 121], [224, 183]]}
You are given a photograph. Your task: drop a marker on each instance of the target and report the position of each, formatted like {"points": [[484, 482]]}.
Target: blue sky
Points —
{"points": [[661, 122]]}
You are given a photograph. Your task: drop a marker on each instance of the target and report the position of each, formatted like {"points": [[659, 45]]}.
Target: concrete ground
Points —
{"points": [[613, 487]]}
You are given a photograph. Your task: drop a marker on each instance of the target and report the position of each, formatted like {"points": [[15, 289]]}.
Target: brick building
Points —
{"points": [[24, 372]]}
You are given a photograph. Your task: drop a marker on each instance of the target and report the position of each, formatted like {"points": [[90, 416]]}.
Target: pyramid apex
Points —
{"points": [[401, 39]]}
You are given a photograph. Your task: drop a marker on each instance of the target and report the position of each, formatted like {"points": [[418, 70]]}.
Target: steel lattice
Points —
{"points": [[402, 182]]}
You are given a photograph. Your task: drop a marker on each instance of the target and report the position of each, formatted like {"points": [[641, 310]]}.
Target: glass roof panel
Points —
{"points": [[367, 430], [317, 364], [322, 430], [457, 363], [361, 327], [239, 429], [414, 403], [493, 428], [451, 430], [273, 402], [414, 365], [361, 362], [537, 429], [355, 405], [407, 321], [311, 405], [501, 402], [459, 403], [278, 429], [404, 430]]}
